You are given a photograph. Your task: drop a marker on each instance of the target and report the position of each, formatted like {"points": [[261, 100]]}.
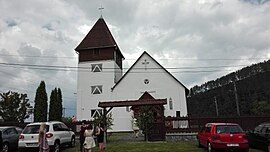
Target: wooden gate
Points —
{"points": [[157, 133]]}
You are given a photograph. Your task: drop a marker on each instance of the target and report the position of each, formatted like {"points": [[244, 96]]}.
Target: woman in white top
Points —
{"points": [[89, 142]]}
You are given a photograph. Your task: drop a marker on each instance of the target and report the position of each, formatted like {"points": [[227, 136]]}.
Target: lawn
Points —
{"points": [[147, 147], [114, 145]]}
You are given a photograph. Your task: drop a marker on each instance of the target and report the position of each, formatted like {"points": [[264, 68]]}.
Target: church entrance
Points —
{"points": [[157, 127]]}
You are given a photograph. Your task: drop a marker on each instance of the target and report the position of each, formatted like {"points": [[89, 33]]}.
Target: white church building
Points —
{"points": [[100, 79]]}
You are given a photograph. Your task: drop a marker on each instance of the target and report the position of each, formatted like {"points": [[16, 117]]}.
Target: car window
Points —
{"points": [[5, 132], [267, 130], [258, 129], [64, 127], [56, 127], [13, 131], [208, 129], [229, 129], [33, 129], [10, 131]]}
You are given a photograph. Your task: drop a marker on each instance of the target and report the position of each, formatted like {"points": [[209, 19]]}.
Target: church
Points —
{"points": [[101, 80]]}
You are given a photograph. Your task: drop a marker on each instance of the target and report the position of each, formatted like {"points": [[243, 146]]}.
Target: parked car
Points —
{"points": [[9, 138], [260, 137], [57, 133], [223, 136]]}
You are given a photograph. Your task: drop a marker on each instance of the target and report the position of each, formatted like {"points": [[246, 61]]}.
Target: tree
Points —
{"points": [[260, 108], [101, 119], [53, 105], [14, 106], [59, 104], [145, 120], [41, 104], [55, 110]]}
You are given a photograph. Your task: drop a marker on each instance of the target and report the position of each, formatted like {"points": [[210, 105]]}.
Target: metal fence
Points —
{"points": [[194, 124]]}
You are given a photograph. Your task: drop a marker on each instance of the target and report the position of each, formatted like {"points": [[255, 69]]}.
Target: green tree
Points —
{"points": [[101, 119], [41, 104], [55, 108], [260, 108], [53, 105], [59, 104], [14, 106], [145, 120]]}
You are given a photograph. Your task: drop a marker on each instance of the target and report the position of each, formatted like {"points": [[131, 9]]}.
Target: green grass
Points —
{"points": [[146, 147], [149, 147], [141, 146]]}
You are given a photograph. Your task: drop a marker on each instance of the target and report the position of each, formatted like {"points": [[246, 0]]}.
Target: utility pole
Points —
{"points": [[64, 112], [236, 98], [215, 100]]}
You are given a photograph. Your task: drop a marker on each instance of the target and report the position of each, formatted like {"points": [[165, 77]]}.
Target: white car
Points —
{"points": [[57, 134]]}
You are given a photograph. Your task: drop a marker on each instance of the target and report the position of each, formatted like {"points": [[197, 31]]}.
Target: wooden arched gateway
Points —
{"points": [[157, 133]]}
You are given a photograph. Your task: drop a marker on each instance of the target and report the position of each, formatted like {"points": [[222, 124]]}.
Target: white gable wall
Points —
{"points": [[161, 85]]}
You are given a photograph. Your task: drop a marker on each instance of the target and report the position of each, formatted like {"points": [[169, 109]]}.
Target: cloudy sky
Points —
{"points": [[202, 39]]}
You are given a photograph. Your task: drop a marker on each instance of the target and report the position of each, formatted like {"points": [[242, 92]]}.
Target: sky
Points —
{"points": [[197, 40]]}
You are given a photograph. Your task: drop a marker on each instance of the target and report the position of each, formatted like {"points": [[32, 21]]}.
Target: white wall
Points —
{"points": [[87, 101], [131, 87], [161, 85]]}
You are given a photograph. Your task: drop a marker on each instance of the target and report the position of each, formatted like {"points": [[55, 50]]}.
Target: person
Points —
{"points": [[100, 137], [82, 138], [89, 141], [74, 119], [42, 140], [135, 128]]}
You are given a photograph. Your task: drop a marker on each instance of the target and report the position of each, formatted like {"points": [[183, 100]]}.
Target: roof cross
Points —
{"points": [[145, 63], [100, 9]]}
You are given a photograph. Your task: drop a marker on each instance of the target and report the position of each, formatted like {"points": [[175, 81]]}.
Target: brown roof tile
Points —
{"points": [[133, 103], [98, 36]]}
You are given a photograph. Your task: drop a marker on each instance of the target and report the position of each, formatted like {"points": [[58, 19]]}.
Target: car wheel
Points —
{"points": [[72, 142], [209, 147], [5, 147], [56, 147]]}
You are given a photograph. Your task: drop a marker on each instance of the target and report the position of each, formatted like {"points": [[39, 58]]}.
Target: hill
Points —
{"points": [[250, 87]]}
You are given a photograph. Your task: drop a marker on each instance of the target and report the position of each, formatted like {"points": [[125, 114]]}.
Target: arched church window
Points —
{"points": [[170, 104]]}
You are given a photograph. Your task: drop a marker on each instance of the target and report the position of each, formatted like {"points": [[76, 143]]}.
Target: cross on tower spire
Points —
{"points": [[100, 9]]}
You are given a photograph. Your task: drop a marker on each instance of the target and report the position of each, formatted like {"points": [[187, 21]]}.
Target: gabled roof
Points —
{"points": [[186, 89], [132, 103], [146, 95], [98, 37]]}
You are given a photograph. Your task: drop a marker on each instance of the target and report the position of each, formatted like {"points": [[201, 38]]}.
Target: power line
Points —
{"points": [[36, 56], [68, 68], [199, 59]]}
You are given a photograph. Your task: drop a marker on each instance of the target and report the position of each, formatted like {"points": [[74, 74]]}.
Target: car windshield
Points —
{"points": [[33, 129], [229, 129]]}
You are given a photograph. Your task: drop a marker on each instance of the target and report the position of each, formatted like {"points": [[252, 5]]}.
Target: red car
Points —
{"points": [[223, 136]]}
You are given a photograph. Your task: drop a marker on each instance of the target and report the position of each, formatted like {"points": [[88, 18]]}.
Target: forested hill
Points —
{"points": [[252, 88]]}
